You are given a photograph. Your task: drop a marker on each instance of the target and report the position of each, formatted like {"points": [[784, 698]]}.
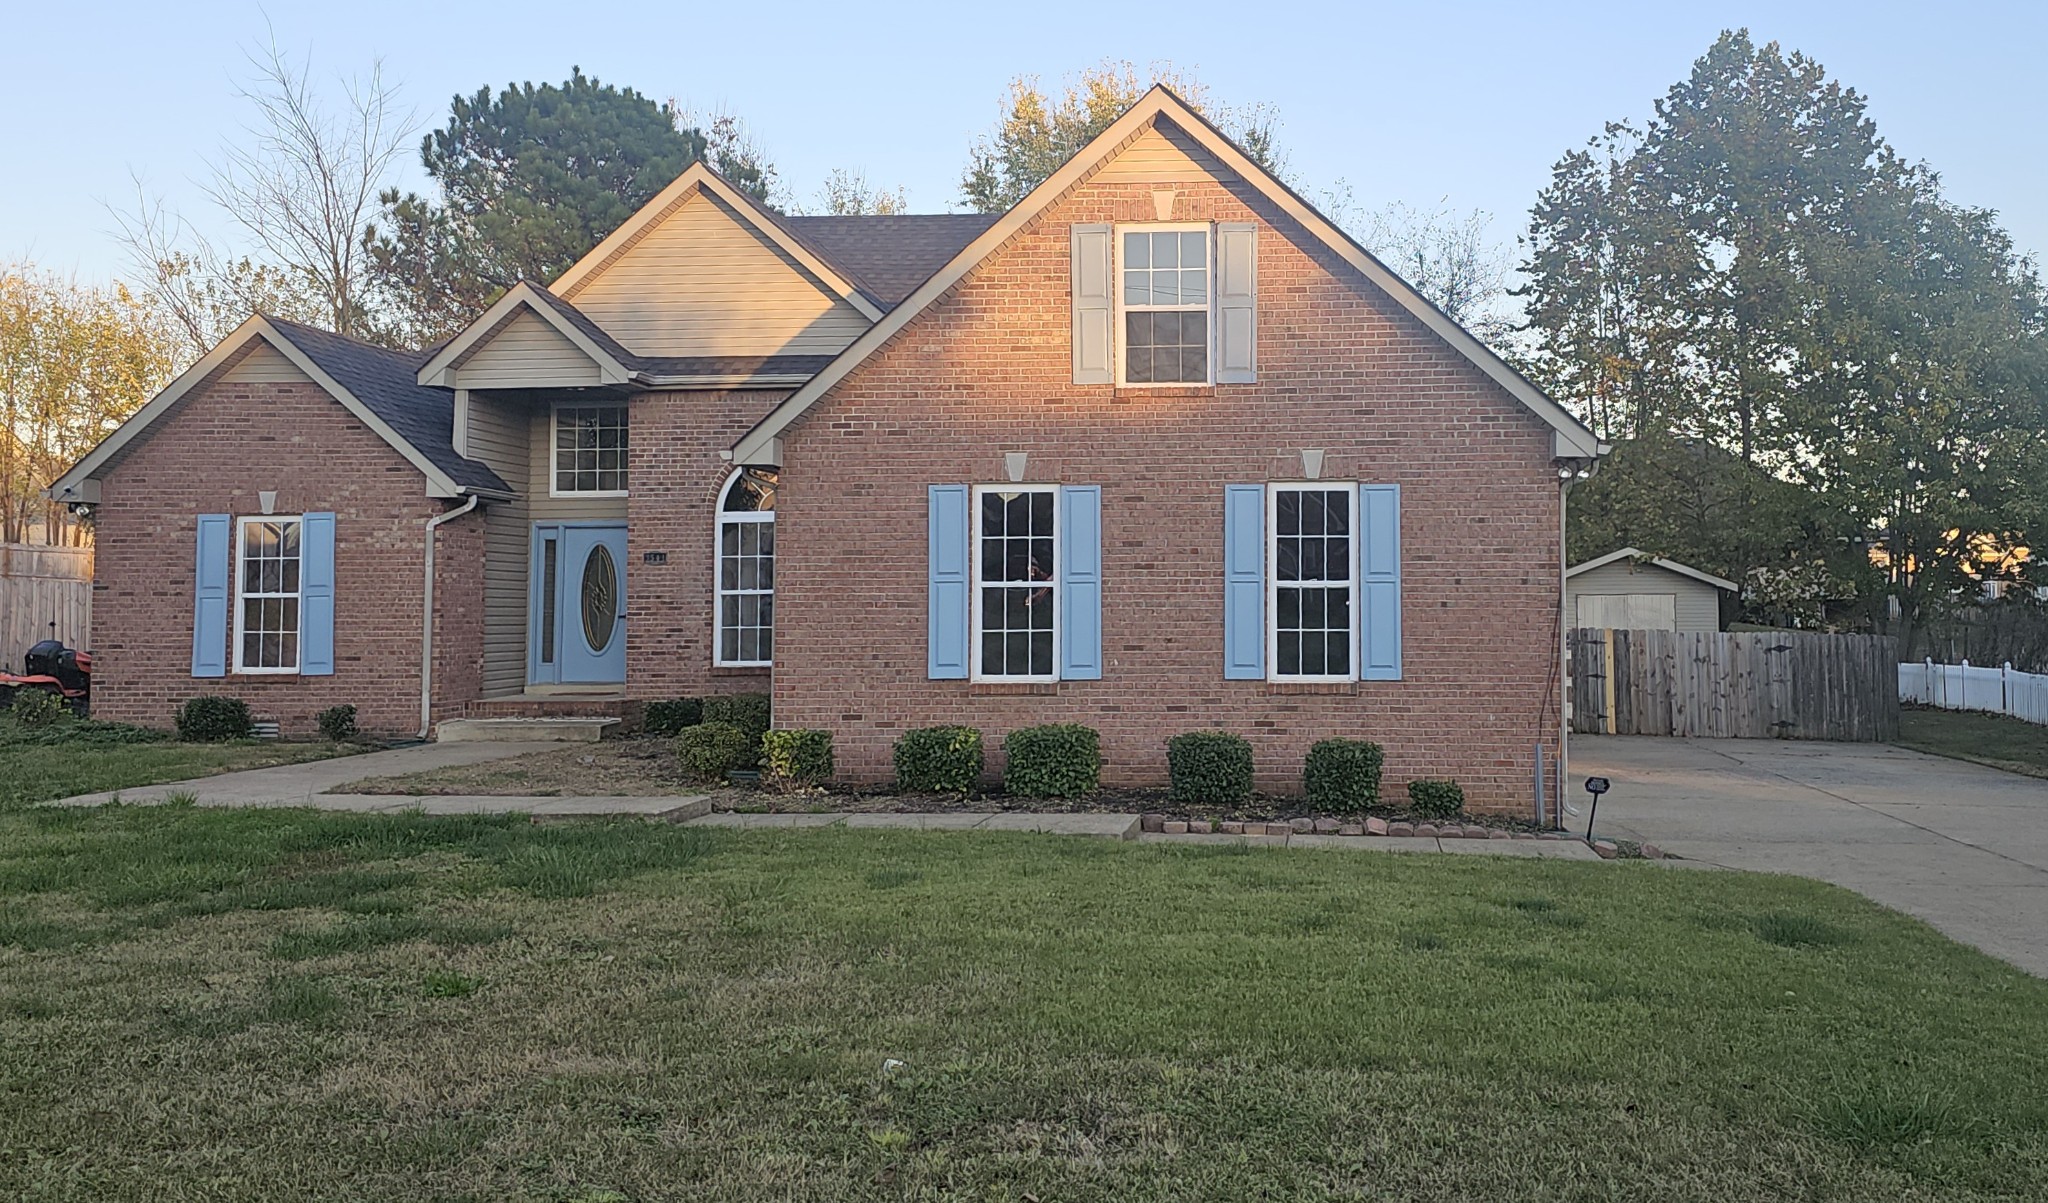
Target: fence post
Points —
{"points": [[2005, 688]]}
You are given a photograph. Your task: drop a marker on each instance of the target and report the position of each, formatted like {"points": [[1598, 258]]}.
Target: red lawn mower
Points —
{"points": [[53, 668]]}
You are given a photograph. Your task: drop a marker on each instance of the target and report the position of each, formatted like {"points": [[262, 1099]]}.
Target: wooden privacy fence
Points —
{"points": [[40, 586], [1743, 685]]}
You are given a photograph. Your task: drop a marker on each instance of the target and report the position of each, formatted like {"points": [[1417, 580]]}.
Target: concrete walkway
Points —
{"points": [[306, 785], [1962, 846]]}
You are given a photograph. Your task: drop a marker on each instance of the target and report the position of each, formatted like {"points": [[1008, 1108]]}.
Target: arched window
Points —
{"points": [[745, 635]]}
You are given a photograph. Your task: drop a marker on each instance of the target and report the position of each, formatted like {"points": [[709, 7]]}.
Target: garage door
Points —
{"points": [[1629, 611]]}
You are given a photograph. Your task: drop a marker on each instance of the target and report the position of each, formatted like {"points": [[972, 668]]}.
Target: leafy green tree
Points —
{"points": [[1757, 271], [1038, 132], [529, 180]]}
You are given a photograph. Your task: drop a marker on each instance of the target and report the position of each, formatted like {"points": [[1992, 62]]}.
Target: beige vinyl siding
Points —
{"points": [[1696, 605], [264, 364], [1162, 155], [498, 435], [526, 352], [702, 282], [544, 508]]}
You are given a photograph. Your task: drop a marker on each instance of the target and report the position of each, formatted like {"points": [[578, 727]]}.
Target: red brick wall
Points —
{"points": [[676, 477], [1341, 368], [223, 444]]}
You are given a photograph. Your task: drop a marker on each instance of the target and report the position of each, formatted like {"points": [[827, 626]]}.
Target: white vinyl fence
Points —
{"points": [[1967, 686]]}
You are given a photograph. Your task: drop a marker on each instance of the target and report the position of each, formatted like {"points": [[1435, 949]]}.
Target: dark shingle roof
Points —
{"points": [[889, 256], [387, 382]]}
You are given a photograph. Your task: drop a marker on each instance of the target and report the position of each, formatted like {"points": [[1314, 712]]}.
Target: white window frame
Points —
{"points": [[1059, 552], [1273, 491], [1116, 269], [718, 589], [242, 525], [554, 448]]}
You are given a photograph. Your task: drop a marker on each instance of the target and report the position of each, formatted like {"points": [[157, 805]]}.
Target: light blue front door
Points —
{"points": [[577, 635]]}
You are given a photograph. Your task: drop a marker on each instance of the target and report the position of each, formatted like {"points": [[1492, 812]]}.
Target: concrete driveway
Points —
{"points": [[1961, 846]]}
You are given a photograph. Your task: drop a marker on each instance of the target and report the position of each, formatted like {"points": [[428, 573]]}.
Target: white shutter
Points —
{"points": [[1237, 302], [1094, 306]]}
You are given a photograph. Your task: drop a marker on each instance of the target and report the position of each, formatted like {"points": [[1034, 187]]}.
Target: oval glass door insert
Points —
{"points": [[600, 598]]}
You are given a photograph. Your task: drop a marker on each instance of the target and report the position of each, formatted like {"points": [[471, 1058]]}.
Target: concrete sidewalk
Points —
{"points": [[307, 784], [1962, 846]]}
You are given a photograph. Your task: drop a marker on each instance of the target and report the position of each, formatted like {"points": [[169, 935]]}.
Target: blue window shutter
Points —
{"points": [[1244, 582], [210, 605], [316, 596], [947, 549], [1081, 583], [1379, 580]]}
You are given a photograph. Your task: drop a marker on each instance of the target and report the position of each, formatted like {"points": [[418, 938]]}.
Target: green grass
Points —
{"points": [[42, 772], [1991, 739], [284, 1004]]}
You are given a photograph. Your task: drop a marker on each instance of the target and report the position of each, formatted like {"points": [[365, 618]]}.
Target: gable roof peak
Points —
{"points": [[1571, 439]]}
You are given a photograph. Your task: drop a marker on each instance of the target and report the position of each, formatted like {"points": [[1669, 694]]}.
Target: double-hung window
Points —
{"points": [[589, 451], [1016, 578], [746, 571], [267, 583], [1313, 582], [1164, 286]]}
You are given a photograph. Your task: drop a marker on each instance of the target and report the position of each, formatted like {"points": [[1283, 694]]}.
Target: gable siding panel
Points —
{"points": [[702, 283], [263, 364], [1164, 156], [527, 353]]}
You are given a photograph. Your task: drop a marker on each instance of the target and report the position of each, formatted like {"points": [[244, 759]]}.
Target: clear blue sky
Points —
{"points": [[1411, 102]]}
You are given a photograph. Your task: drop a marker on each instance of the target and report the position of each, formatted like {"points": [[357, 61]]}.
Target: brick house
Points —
{"points": [[1158, 450]]}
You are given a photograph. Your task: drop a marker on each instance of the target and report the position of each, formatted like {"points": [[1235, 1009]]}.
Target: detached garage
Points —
{"points": [[1633, 590]]}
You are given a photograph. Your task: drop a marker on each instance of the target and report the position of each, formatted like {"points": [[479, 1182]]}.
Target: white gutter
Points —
{"points": [[427, 617]]}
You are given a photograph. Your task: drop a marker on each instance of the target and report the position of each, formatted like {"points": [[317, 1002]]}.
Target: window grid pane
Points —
{"points": [[590, 449], [746, 570], [1017, 558], [1312, 612], [269, 606], [1165, 281]]}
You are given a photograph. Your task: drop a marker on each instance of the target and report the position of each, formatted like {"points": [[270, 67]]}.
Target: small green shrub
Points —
{"points": [[37, 708], [210, 720], [938, 760], [337, 723], [710, 750], [1436, 799], [1342, 776], [1210, 768], [671, 716], [1059, 760], [797, 759], [747, 711]]}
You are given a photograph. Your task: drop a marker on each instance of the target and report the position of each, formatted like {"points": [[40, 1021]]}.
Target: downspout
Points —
{"points": [[1564, 661], [427, 617]]}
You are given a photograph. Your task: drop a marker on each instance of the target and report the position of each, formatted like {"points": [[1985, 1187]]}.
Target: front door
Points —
{"points": [[578, 631]]}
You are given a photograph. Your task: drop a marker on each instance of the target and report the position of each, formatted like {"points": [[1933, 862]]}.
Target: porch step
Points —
{"points": [[558, 729], [559, 706]]}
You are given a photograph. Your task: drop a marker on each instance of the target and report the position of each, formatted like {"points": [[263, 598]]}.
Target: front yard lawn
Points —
{"points": [[41, 772], [1997, 740], [201, 1004]]}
